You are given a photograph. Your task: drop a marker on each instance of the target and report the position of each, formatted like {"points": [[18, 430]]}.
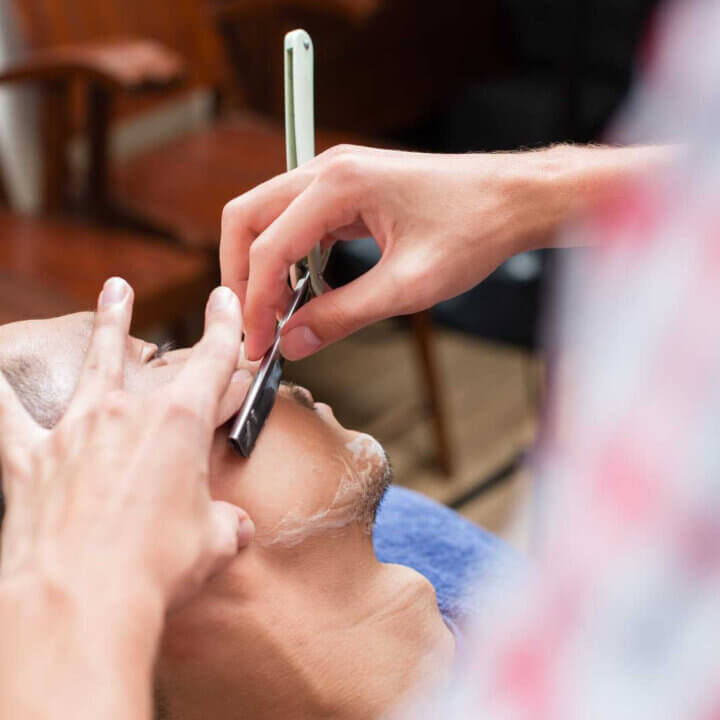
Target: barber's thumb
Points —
{"points": [[301, 341], [335, 315], [232, 530]]}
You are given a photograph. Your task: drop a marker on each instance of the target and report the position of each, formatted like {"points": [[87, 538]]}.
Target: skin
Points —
{"points": [[442, 223], [317, 628], [79, 503]]}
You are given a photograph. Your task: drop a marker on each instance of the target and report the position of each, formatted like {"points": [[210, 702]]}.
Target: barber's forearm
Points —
{"points": [[70, 653], [556, 184]]}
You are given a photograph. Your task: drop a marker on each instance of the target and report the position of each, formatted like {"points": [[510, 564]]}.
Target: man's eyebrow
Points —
{"points": [[299, 395]]}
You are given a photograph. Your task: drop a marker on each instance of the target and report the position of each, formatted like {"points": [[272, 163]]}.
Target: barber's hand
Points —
{"points": [[442, 222], [116, 494]]}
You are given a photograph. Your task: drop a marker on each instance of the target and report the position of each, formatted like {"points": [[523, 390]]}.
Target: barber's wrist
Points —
{"points": [[129, 617], [560, 183], [531, 195], [75, 635], [548, 187]]}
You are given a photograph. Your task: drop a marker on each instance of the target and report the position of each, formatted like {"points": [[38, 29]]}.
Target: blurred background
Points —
{"points": [[126, 125]]}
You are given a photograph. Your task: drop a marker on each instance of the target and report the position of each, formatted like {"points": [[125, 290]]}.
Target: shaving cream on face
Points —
{"points": [[369, 454], [354, 498]]}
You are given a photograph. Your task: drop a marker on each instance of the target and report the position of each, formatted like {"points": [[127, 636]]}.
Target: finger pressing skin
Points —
{"points": [[206, 375], [231, 529], [308, 219], [245, 217], [105, 360]]}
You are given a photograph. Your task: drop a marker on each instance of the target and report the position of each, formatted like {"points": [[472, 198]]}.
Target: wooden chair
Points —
{"points": [[178, 187], [382, 66], [52, 266]]}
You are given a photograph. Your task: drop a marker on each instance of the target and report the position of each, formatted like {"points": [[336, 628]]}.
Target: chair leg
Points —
{"points": [[421, 324]]}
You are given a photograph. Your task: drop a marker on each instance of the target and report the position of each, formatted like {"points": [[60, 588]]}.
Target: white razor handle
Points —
{"points": [[300, 123]]}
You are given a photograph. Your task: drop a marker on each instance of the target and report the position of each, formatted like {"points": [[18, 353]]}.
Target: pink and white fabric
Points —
{"points": [[619, 616]]}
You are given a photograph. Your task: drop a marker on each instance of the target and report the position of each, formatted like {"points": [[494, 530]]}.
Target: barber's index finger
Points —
{"points": [[307, 220], [246, 217]]}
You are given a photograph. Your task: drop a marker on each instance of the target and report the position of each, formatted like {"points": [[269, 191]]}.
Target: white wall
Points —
{"points": [[20, 156]]}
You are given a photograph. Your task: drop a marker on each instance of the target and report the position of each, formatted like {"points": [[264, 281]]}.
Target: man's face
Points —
{"points": [[311, 488], [305, 472]]}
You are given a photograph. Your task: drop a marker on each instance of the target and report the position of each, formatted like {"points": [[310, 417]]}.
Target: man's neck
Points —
{"points": [[347, 648]]}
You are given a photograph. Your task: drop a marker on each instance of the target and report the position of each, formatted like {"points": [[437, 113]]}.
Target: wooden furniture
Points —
{"points": [[383, 67], [51, 266], [179, 187]]}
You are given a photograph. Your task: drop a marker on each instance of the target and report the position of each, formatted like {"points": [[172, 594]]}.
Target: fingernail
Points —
{"points": [[244, 376], [299, 342], [220, 298], [114, 291], [245, 532]]}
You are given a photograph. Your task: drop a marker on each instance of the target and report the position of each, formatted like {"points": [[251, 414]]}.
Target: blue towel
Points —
{"points": [[452, 553]]}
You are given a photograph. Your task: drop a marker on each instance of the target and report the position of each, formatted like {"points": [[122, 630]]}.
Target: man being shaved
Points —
{"points": [[306, 623]]}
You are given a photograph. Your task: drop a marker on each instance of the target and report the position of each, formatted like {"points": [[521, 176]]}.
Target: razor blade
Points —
{"points": [[260, 398]]}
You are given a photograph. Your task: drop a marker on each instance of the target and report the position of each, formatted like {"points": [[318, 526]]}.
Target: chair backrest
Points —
{"points": [[378, 70], [183, 25]]}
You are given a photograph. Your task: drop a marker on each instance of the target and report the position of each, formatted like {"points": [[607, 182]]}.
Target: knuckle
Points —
{"points": [[113, 374], [340, 150], [268, 265], [344, 170], [178, 409], [231, 210], [259, 252], [114, 405]]}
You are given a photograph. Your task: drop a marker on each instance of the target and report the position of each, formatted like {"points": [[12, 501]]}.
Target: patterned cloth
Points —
{"points": [[620, 615]]}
